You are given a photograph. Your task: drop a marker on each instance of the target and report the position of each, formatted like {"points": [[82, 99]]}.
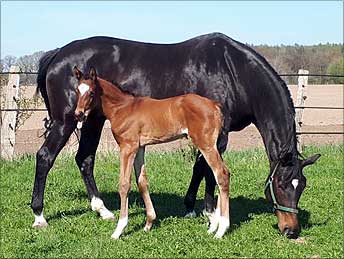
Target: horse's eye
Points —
{"points": [[92, 94]]}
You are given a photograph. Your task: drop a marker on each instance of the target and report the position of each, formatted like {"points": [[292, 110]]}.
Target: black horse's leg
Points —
{"points": [[201, 169], [89, 140], [45, 157]]}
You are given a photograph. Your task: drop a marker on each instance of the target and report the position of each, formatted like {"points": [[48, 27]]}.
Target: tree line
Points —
{"points": [[285, 59], [317, 59]]}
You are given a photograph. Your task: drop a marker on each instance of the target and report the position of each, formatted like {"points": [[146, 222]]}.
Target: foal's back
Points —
{"points": [[167, 119]]}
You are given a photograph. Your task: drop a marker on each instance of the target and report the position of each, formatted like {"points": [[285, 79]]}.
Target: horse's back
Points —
{"points": [[197, 65]]}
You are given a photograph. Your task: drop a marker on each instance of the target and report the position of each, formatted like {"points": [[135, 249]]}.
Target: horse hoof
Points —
{"points": [[108, 216], [191, 214], [40, 221], [42, 224]]}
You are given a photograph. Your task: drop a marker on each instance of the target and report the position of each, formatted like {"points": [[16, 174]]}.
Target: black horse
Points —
{"points": [[212, 65]]}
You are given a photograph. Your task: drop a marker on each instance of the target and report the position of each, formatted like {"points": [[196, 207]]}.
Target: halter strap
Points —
{"points": [[273, 197]]}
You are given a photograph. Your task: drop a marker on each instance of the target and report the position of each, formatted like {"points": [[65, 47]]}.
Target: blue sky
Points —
{"points": [[29, 26]]}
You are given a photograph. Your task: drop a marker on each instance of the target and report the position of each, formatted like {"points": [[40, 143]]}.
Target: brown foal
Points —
{"points": [[140, 121]]}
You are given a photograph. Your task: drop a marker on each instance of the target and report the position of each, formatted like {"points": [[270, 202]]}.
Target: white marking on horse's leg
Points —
{"points": [[98, 205], [122, 223], [295, 183], [40, 221], [223, 227], [83, 88], [191, 214], [214, 219], [79, 125]]}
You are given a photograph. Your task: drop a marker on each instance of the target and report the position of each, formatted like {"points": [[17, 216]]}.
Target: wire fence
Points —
{"points": [[282, 75]]}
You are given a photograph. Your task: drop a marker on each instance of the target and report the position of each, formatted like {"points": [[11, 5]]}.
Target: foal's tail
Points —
{"points": [[44, 63]]}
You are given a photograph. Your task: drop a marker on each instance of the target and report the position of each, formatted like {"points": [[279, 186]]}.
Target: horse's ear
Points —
{"points": [[77, 73], [311, 160], [93, 74]]}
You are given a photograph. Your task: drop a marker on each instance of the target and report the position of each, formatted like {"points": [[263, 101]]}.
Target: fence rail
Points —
{"points": [[299, 106], [292, 74]]}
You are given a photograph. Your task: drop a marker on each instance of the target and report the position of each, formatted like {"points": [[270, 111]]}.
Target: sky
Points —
{"points": [[31, 26]]}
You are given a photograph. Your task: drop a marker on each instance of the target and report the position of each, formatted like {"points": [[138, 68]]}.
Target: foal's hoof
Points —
{"points": [[147, 227], [191, 214], [218, 235], [116, 235], [223, 227], [213, 227]]}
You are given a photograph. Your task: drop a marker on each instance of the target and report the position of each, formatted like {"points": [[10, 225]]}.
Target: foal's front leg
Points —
{"points": [[126, 159]]}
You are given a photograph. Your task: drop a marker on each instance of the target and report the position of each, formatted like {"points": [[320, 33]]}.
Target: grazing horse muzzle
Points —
{"points": [[288, 224]]}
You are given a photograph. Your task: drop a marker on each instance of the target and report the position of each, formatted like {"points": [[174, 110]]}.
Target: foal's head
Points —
{"points": [[86, 92]]}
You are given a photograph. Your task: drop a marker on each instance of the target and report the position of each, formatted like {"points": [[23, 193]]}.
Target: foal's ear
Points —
{"points": [[311, 160], [77, 73], [93, 74]]}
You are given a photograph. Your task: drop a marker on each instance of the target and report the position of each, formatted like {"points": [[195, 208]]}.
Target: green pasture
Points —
{"points": [[76, 232]]}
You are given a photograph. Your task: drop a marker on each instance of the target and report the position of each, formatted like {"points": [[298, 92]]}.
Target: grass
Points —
{"points": [[76, 232]]}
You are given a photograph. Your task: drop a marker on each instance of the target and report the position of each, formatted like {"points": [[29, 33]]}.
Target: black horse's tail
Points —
{"points": [[44, 63]]}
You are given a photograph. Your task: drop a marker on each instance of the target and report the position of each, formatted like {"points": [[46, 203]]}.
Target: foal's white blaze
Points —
{"points": [[40, 221], [295, 183], [83, 88], [98, 205]]}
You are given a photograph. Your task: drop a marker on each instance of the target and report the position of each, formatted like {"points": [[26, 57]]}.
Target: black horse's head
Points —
{"points": [[86, 92], [284, 187]]}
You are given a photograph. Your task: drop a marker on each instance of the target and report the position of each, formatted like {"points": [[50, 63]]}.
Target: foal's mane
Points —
{"points": [[120, 87]]}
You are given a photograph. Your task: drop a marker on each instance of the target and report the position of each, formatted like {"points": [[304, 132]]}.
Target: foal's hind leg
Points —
{"points": [[142, 183], [45, 158], [221, 174], [201, 169], [89, 140]]}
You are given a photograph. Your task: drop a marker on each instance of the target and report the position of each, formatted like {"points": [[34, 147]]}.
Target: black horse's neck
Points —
{"points": [[274, 113]]}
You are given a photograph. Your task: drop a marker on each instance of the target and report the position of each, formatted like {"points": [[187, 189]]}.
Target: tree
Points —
{"points": [[336, 68], [7, 62]]}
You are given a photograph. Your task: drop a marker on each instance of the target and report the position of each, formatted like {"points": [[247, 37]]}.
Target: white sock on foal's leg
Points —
{"points": [[223, 227], [98, 205], [40, 221], [122, 223]]}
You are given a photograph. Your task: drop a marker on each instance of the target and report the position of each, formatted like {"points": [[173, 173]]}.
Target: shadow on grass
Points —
{"points": [[166, 205]]}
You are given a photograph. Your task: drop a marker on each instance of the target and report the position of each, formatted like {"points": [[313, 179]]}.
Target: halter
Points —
{"points": [[273, 197]]}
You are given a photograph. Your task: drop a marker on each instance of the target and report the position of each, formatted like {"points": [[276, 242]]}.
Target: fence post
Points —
{"points": [[302, 83], [8, 118]]}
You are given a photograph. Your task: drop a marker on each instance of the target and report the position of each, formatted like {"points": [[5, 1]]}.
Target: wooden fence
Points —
{"points": [[10, 110]]}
